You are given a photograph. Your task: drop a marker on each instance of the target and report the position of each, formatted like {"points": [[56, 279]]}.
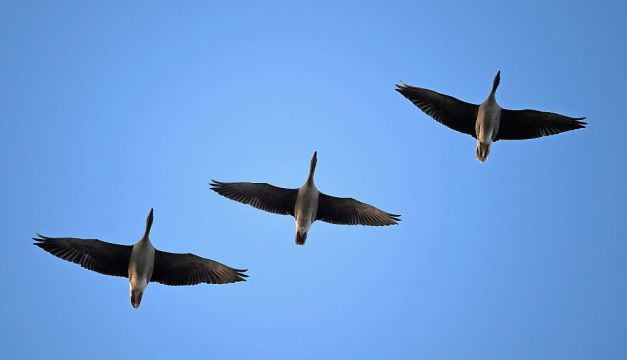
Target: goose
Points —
{"points": [[306, 204], [140, 263], [488, 122]]}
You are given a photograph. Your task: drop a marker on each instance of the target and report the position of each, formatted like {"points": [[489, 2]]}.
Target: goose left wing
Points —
{"points": [[92, 254], [447, 110], [530, 124], [348, 211], [190, 269], [263, 196]]}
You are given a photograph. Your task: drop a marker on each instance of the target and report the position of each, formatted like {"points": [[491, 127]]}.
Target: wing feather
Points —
{"points": [[189, 269], [262, 196], [447, 110], [92, 254], [348, 211], [530, 124]]}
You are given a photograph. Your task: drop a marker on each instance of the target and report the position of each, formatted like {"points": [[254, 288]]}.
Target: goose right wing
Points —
{"points": [[529, 124], [348, 211], [189, 269]]}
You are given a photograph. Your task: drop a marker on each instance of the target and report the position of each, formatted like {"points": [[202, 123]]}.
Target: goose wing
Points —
{"points": [[530, 124], [447, 110], [92, 254], [190, 269], [348, 211], [263, 196]]}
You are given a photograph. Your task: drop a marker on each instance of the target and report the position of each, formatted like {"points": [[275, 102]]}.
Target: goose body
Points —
{"points": [[306, 204], [488, 122], [305, 211], [140, 267], [141, 263]]}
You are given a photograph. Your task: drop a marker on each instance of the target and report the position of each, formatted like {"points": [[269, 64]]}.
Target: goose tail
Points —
{"points": [[483, 151]]}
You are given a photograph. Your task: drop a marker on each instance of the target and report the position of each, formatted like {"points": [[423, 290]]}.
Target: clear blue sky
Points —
{"points": [[110, 108]]}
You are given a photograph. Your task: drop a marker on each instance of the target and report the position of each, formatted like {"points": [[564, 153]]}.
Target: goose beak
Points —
{"points": [[136, 298], [300, 239], [497, 81]]}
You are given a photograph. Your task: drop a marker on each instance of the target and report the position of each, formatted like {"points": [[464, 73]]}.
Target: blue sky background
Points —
{"points": [[108, 109]]}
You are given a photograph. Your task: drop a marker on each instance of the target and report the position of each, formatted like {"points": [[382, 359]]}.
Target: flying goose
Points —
{"points": [[488, 122], [141, 263], [305, 204]]}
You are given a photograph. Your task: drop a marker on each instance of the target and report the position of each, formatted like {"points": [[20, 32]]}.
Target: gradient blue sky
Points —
{"points": [[110, 108]]}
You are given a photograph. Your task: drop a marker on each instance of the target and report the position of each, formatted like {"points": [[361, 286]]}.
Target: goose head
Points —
{"points": [[312, 167], [148, 224], [496, 82]]}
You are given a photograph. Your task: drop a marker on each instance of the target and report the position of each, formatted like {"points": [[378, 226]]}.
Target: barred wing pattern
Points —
{"points": [[92, 254], [530, 124], [190, 269], [348, 211], [447, 110], [262, 196]]}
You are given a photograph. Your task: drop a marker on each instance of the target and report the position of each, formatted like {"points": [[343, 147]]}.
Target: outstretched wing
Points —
{"points": [[348, 211], [454, 113], [92, 254], [530, 124], [260, 195], [190, 269]]}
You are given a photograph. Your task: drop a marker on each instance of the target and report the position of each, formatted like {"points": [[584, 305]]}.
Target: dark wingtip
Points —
{"points": [[40, 241], [578, 123], [40, 238], [214, 184], [241, 275], [401, 86], [395, 218]]}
